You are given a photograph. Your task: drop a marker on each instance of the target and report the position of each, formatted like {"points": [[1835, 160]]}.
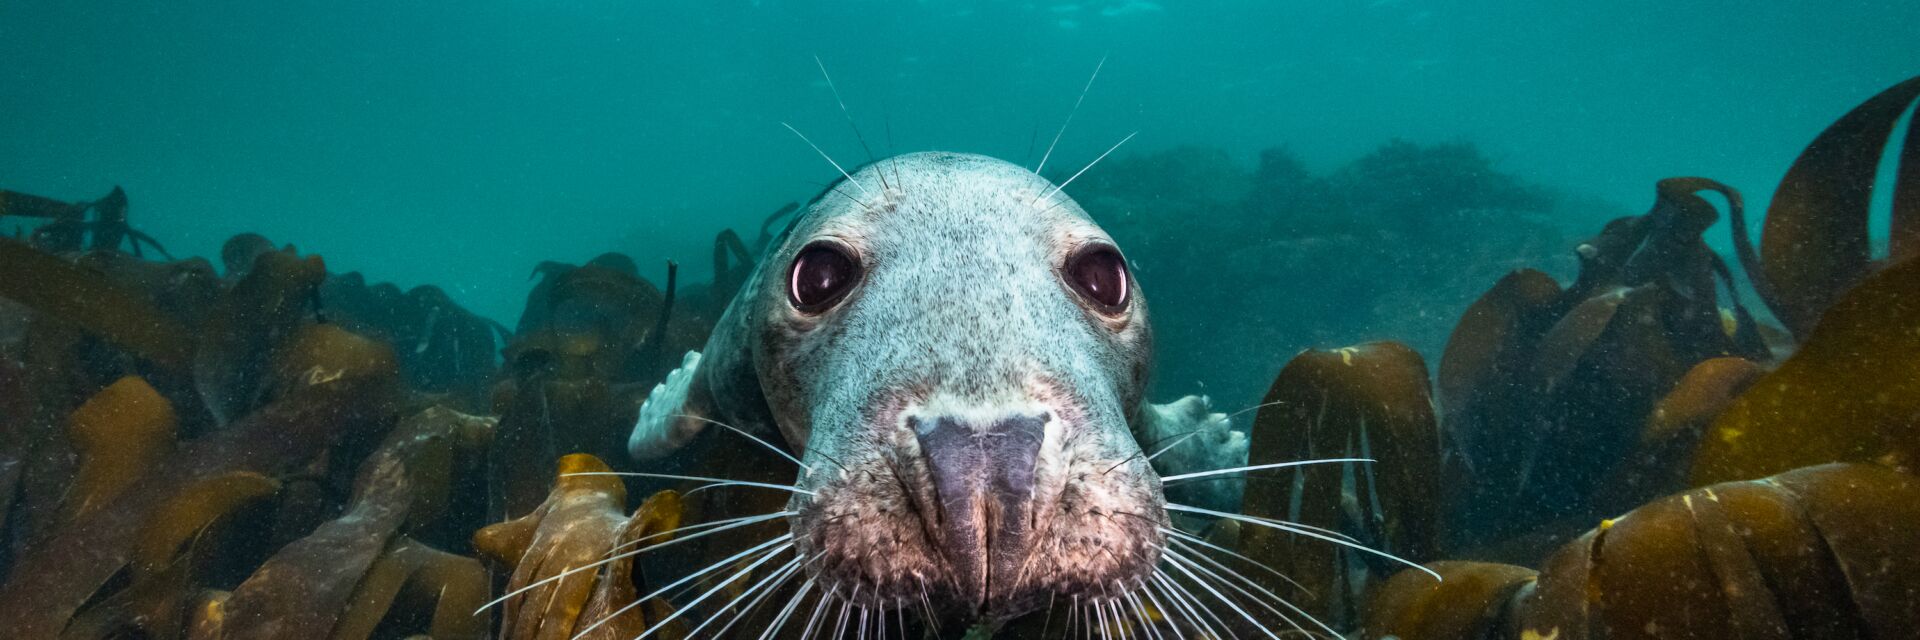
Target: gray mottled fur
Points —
{"points": [[962, 310]]}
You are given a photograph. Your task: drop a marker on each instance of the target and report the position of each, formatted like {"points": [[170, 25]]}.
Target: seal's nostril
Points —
{"points": [[983, 475]]}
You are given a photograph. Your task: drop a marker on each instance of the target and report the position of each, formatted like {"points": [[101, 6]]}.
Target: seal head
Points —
{"points": [[958, 351]]}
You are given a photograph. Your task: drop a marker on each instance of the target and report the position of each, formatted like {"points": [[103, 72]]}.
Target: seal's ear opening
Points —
{"points": [[822, 274], [1099, 274]]}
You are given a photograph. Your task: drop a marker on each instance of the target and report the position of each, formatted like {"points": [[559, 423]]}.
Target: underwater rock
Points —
{"points": [[1369, 401], [1814, 244]]}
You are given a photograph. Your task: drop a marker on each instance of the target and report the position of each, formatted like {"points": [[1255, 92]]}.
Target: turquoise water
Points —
{"points": [[462, 143], [1295, 175]]}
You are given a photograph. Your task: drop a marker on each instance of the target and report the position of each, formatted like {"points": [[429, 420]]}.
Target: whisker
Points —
{"points": [[1147, 588], [1249, 595], [1196, 539], [1256, 407], [615, 558], [734, 522], [849, 116], [829, 159], [818, 607], [1076, 175], [666, 476], [759, 548], [718, 588], [775, 577], [1299, 529], [1224, 599], [1070, 114], [749, 436], [787, 611], [1191, 604], [1259, 467], [1177, 442]]}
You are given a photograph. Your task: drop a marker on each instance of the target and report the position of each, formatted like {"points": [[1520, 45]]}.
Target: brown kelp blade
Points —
{"points": [[1849, 394], [1372, 398], [1814, 244], [85, 299], [1471, 602]]}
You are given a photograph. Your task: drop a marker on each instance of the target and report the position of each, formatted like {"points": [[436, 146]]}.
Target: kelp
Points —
{"points": [[1366, 401], [120, 433], [1544, 389], [414, 577], [1851, 392], [310, 583], [233, 347], [1471, 602], [67, 227], [1821, 552], [86, 299], [582, 521], [72, 561], [1815, 244], [443, 347]]}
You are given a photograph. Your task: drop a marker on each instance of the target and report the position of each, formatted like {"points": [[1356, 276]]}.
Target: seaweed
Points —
{"points": [[1369, 401], [1814, 243]]}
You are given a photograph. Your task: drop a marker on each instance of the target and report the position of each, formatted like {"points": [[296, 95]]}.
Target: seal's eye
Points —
{"points": [[822, 274], [1100, 275]]}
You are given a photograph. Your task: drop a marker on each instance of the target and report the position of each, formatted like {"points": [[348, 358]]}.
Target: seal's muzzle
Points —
{"points": [[983, 478]]}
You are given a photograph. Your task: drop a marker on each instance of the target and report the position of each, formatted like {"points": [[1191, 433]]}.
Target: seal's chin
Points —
{"points": [[984, 515]]}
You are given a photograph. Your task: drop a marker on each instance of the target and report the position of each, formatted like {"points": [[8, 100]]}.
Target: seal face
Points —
{"points": [[958, 350]]}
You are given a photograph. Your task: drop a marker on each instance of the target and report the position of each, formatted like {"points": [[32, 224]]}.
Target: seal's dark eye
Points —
{"points": [[822, 274], [1099, 274]]}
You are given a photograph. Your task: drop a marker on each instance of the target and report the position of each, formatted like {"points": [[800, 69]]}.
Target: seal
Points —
{"points": [[958, 356]]}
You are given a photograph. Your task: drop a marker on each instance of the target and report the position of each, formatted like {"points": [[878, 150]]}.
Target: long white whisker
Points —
{"points": [[783, 538], [1257, 586], [1223, 598], [750, 436], [1070, 114], [836, 165], [1259, 467], [668, 476], [1192, 605], [1147, 588], [614, 558], [787, 611], [849, 116], [729, 523], [1250, 596], [662, 624], [825, 597], [1305, 527], [765, 582], [1298, 529], [1201, 541], [1177, 441], [1076, 175]]}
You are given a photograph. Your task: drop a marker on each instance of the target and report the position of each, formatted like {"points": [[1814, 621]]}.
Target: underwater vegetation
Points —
{"points": [[271, 450]]}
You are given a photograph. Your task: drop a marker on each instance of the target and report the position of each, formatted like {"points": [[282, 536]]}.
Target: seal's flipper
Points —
{"points": [[1205, 440], [673, 414]]}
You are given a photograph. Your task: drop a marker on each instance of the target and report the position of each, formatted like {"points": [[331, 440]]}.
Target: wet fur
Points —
{"points": [[963, 308]]}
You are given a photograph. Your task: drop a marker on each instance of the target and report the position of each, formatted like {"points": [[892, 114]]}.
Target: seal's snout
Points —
{"points": [[983, 473]]}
